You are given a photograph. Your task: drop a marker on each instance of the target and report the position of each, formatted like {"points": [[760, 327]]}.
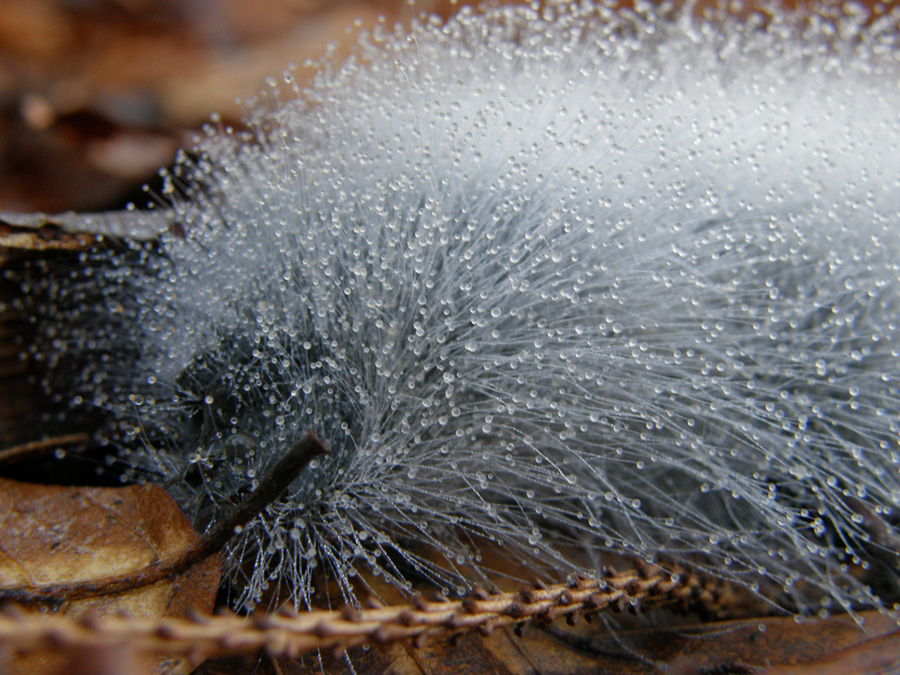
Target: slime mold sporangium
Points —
{"points": [[551, 280]]}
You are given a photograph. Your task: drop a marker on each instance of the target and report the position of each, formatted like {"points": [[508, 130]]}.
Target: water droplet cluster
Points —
{"points": [[558, 278]]}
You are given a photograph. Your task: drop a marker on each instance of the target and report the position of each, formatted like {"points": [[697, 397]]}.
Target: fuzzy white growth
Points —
{"points": [[580, 278]]}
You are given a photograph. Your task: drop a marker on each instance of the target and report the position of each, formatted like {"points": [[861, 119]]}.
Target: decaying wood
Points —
{"points": [[41, 231]]}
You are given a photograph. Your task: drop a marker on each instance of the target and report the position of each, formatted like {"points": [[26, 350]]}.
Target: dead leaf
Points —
{"points": [[876, 656], [53, 534]]}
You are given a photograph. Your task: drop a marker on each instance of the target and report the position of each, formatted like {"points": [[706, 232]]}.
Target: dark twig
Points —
{"points": [[36, 448], [269, 489], [879, 529]]}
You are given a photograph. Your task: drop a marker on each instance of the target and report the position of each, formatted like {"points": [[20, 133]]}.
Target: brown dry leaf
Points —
{"points": [[876, 656], [53, 534]]}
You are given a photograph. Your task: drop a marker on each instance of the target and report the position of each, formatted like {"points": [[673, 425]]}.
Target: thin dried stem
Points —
{"points": [[292, 634], [17, 453]]}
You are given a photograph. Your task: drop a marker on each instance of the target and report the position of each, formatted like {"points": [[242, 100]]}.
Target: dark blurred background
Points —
{"points": [[96, 95]]}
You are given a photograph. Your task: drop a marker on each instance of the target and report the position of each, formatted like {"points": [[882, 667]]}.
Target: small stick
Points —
{"points": [[282, 635], [17, 453], [881, 532], [269, 489]]}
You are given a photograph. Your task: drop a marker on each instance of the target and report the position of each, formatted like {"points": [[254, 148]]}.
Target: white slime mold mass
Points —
{"points": [[560, 279]]}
